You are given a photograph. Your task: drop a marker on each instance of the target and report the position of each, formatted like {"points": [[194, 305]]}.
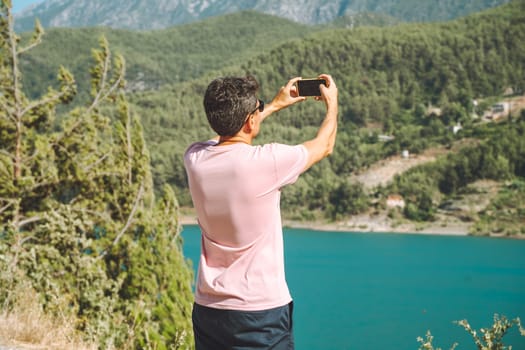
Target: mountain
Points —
{"points": [[156, 14]]}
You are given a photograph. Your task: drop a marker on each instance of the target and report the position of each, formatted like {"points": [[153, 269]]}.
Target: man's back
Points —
{"points": [[236, 192]]}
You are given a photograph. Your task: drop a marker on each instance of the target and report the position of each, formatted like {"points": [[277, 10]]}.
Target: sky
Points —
{"points": [[19, 5]]}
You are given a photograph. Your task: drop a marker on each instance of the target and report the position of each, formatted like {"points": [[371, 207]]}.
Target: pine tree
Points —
{"points": [[78, 218]]}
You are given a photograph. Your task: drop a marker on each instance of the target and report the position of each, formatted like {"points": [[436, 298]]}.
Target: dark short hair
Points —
{"points": [[227, 102]]}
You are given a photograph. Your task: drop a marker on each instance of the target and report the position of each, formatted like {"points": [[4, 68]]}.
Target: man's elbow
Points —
{"points": [[328, 151], [330, 147], [319, 149]]}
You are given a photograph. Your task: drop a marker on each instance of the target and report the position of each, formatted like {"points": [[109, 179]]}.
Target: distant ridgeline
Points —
{"points": [[157, 14], [387, 79]]}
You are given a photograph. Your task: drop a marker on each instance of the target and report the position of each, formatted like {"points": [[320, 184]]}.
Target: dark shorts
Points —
{"points": [[216, 329]]}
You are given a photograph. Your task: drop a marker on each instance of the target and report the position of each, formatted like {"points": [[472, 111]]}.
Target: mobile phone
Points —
{"points": [[310, 87]]}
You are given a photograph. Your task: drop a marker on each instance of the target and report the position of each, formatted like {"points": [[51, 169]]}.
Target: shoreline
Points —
{"points": [[363, 228], [366, 224]]}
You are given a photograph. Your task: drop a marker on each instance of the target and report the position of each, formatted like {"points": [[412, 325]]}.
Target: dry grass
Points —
{"points": [[26, 326]]}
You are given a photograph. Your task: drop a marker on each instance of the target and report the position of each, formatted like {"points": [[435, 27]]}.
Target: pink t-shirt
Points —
{"points": [[236, 192]]}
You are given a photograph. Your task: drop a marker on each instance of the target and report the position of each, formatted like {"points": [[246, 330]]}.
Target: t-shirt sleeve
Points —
{"points": [[289, 162], [197, 146]]}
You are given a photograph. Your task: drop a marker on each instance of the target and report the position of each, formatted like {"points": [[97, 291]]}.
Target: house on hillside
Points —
{"points": [[456, 128], [395, 201], [434, 111], [385, 138], [499, 110]]}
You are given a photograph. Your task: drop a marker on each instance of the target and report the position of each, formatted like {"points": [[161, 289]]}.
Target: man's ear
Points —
{"points": [[249, 124]]}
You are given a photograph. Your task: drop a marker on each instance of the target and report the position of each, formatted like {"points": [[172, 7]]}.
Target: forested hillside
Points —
{"points": [[157, 58], [387, 79]]}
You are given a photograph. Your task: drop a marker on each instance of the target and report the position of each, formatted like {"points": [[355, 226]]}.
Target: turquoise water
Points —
{"points": [[382, 291]]}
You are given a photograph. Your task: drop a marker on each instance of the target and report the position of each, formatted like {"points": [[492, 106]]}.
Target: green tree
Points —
{"points": [[419, 191], [78, 216], [347, 199]]}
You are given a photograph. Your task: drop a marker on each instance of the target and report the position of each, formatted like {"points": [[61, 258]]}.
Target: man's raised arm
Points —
{"points": [[323, 143]]}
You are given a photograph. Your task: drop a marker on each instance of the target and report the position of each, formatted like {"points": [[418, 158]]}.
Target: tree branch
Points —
{"points": [[22, 223], [36, 40], [9, 114], [42, 102], [100, 160], [101, 85], [5, 153], [102, 215], [131, 214], [29, 47], [6, 207], [128, 222], [14, 57], [110, 91], [129, 145]]}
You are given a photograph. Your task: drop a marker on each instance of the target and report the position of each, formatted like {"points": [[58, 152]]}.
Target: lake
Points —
{"points": [[382, 291]]}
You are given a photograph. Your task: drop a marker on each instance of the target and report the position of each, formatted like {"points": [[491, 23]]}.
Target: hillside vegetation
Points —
{"points": [[387, 79], [157, 58], [82, 233]]}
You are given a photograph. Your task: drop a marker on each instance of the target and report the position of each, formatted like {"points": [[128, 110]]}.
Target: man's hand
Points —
{"points": [[328, 92]]}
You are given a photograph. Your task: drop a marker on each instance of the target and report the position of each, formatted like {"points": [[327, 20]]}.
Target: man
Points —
{"points": [[241, 298]]}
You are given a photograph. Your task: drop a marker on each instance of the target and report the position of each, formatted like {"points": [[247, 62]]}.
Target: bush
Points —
{"points": [[490, 339]]}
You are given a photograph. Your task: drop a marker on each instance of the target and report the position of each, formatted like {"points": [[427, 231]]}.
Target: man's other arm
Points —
{"points": [[323, 144]]}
